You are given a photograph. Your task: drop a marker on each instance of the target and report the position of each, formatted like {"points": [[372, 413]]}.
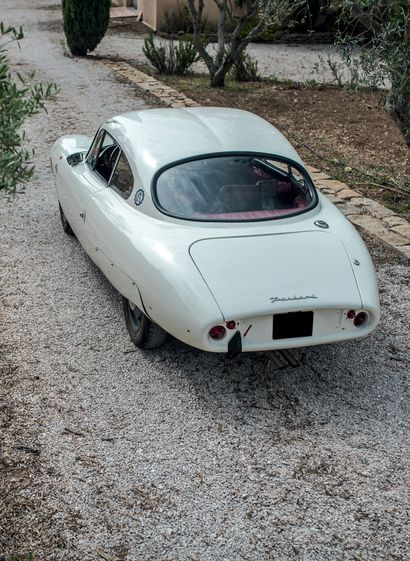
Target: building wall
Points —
{"points": [[154, 11], [149, 12]]}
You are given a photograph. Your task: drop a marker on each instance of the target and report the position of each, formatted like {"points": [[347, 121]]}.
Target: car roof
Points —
{"points": [[155, 138]]}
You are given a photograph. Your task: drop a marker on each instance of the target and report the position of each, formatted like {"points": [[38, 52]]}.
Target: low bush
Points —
{"points": [[178, 21], [245, 69], [170, 59]]}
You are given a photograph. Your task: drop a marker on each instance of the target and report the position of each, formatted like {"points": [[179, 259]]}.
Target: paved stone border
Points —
{"points": [[370, 215], [165, 93]]}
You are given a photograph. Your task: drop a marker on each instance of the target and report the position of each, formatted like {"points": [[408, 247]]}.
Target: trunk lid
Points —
{"points": [[257, 275]]}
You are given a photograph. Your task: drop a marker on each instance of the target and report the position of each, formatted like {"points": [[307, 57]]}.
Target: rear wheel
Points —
{"points": [[66, 226], [143, 332]]}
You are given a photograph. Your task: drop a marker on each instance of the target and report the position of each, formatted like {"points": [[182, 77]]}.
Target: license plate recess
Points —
{"points": [[292, 325]]}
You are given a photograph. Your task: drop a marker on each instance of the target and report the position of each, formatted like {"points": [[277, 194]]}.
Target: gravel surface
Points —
{"points": [[113, 453]]}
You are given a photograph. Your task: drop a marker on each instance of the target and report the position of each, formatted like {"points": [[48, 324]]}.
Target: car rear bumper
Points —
{"points": [[260, 334]]}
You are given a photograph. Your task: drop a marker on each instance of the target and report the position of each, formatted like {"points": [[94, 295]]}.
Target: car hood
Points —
{"points": [[257, 275]]}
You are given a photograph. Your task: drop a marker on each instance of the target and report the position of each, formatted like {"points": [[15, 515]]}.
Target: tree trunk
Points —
{"points": [[218, 77], [218, 80], [268, 11]]}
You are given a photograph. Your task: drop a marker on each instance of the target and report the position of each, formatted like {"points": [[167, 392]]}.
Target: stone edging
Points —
{"points": [[373, 217], [166, 94]]}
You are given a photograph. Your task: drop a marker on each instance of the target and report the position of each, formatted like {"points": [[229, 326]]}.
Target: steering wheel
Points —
{"points": [[108, 156]]}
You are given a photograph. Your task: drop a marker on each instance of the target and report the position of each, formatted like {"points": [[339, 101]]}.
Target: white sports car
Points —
{"points": [[207, 223]]}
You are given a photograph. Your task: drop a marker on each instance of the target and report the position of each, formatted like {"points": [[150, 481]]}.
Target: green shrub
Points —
{"points": [[178, 21], [19, 99], [245, 69], [169, 59], [85, 23], [269, 35]]}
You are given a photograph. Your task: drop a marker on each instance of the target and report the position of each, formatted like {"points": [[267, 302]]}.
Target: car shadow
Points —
{"points": [[342, 383]]}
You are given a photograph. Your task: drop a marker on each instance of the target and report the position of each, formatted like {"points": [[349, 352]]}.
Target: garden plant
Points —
{"points": [[171, 59], [20, 98], [85, 23]]}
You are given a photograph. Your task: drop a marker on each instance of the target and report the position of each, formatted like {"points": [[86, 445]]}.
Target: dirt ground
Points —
{"points": [[348, 134]]}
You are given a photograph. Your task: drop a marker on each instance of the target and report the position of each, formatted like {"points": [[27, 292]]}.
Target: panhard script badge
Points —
{"points": [[139, 197], [290, 298]]}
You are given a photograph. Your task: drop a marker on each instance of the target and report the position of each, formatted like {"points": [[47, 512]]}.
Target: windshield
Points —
{"points": [[237, 188]]}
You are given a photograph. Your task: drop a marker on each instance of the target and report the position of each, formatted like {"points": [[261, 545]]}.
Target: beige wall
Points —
{"points": [[121, 3], [154, 11], [149, 12]]}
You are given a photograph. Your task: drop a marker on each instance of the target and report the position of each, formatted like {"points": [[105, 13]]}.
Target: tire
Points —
{"points": [[143, 332], [66, 226]]}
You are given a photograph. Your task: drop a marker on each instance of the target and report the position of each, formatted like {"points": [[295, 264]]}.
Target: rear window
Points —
{"points": [[234, 188]]}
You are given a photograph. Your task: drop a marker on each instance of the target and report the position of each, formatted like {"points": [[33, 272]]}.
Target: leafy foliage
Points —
{"points": [[178, 20], [20, 98], [269, 35], [171, 59], [384, 56], [315, 15], [245, 69], [346, 72], [85, 23]]}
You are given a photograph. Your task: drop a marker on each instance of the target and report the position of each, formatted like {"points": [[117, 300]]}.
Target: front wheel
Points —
{"points": [[66, 226], [143, 332]]}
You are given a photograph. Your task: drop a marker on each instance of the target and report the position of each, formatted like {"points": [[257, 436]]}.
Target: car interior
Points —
{"points": [[233, 188], [106, 160]]}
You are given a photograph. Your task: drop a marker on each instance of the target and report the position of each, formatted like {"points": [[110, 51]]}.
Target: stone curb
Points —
{"points": [[165, 93], [370, 215]]}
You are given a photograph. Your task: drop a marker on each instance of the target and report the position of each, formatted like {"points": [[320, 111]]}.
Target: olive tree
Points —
{"points": [[382, 31], [255, 15], [20, 98]]}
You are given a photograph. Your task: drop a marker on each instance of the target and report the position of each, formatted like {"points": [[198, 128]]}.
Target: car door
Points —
{"points": [[92, 176], [108, 220], [75, 185]]}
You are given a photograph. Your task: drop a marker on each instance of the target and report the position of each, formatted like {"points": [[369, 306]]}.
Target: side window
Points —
{"points": [[106, 157], [122, 180], [95, 146]]}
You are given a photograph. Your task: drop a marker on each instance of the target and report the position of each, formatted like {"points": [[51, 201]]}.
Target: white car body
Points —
{"points": [[187, 275]]}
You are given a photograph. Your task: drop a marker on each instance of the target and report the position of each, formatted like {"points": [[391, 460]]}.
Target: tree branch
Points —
{"points": [[196, 15]]}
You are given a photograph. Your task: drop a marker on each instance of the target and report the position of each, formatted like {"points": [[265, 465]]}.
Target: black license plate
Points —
{"points": [[293, 324]]}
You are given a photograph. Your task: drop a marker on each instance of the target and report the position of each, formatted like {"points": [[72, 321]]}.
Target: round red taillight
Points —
{"points": [[231, 324], [360, 319], [217, 332], [351, 314]]}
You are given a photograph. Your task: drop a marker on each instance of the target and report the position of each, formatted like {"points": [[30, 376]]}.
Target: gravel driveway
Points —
{"points": [[113, 453]]}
